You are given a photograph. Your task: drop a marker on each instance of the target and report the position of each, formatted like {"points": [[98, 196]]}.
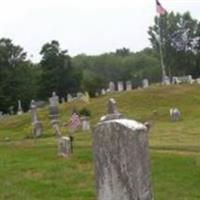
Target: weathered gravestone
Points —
{"points": [[103, 91], [175, 114], [1, 115], [111, 86], [85, 120], [145, 83], [128, 85], [69, 98], [122, 164], [53, 113], [20, 111], [64, 146], [120, 86], [36, 124], [166, 80]]}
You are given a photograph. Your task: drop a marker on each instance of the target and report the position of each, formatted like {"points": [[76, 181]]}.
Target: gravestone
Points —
{"points": [[103, 91], [111, 86], [1, 115], [96, 94], [63, 100], [128, 85], [64, 146], [11, 110], [79, 95], [145, 83], [53, 113], [85, 123], [20, 111], [122, 164], [175, 114], [69, 98], [36, 124], [120, 86]]}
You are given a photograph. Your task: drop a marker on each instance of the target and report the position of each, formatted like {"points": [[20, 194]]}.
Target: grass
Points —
{"points": [[31, 170]]}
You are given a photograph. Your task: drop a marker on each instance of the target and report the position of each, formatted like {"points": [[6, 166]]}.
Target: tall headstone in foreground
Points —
{"points": [[128, 86], [112, 86], [122, 164], [36, 124], [20, 111], [145, 83], [120, 86]]}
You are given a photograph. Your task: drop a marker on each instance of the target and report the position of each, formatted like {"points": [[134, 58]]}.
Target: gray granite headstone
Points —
{"points": [[36, 124], [120, 86], [85, 123], [145, 83], [53, 106], [175, 114], [64, 146], [20, 111], [111, 86], [121, 156], [122, 164], [69, 98], [128, 85]]}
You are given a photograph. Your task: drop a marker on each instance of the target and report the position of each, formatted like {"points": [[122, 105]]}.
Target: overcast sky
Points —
{"points": [[84, 26]]}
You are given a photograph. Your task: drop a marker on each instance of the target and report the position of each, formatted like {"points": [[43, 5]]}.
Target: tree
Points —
{"points": [[16, 78], [178, 33], [57, 72]]}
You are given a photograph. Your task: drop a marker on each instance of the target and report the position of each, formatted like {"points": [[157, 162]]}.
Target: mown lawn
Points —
{"points": [[31, 170]]}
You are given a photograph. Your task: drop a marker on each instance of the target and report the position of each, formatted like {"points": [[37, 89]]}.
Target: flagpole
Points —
{"points": [[161, 53]]}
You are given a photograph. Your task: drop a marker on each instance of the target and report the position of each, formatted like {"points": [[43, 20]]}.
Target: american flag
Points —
{"points": [[74, 121], [160, 10]]}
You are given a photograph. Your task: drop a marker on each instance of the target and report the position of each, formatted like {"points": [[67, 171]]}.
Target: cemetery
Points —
{"points": [[102, 101], [116, 153]]}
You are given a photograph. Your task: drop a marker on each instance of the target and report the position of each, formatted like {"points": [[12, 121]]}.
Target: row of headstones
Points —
{"points": [[181, 79], [127, 85]]}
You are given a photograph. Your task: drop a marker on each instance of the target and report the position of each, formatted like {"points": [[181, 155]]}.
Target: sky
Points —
{"points": [[83, 26]]}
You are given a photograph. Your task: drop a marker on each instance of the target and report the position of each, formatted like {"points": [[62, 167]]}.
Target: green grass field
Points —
{"points": [[31, 170]]}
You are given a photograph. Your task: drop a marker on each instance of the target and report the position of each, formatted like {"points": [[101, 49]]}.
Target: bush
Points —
{"points": [[85, 112]]}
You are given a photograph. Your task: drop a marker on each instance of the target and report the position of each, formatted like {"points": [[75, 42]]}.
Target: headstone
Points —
{"points": [[103, 91], [79, 95], [96, 94], [120, 86], [128, 85], [53, 106], [69, 98], [112, 111], [63, 100], [36, 124], [111, 86], [11, 110], [64, 146], [198, 80], [1, 115], [175, 114], [85, 123], [122, 164], [166, 80], [20, 111], [86, 97], [145, 83]]}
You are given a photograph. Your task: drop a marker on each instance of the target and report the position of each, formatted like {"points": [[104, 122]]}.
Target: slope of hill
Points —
{"points": [[30, 169]]}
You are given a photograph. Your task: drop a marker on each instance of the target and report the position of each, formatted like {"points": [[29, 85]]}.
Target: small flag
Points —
{"points": [[74, 121], [160, 9]]}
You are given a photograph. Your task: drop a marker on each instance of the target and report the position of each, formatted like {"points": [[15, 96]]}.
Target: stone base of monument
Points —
{"points": [[37, 129], [64, 146]]}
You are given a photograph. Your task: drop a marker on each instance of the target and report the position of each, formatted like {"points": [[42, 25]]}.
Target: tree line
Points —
{"points": [[22, 79]]}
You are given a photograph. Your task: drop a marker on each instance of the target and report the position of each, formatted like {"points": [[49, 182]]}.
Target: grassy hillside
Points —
{"points": [[31, 170]]}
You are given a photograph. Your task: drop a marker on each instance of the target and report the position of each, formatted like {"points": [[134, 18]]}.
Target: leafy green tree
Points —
{"points": [[57, 72], [16, 78]]}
